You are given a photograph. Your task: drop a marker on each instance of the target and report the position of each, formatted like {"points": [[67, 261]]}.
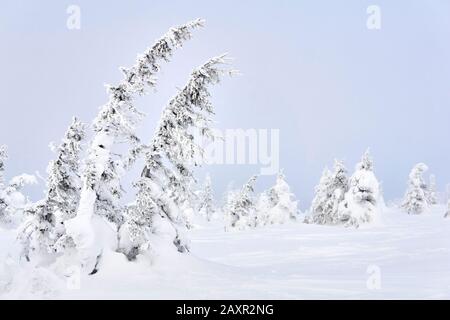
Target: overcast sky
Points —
{"points": [[309, 68]]}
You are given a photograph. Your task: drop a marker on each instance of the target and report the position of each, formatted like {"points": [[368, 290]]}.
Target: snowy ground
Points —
{"points": [[293, 261]]}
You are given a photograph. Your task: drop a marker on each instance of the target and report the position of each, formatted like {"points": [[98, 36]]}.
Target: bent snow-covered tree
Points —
{"points": [[44, 231], [416, 197], [330, 193], [156, 217], [320, 207], [114, 125], [240, 212], [277, 205], [362, 201]]}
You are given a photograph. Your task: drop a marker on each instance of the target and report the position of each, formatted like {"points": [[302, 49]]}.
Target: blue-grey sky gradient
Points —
{"points": [[310, 68]]}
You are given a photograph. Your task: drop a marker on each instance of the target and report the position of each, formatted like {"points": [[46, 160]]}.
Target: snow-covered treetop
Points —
{"points": [[240, 205], [70, 147], [142, 74], [63, 171], [281, 186], [417, 197], [324, 181], [366, 162], [249, 187], [119, 116], [281, 191], [416, 174], [280, 175], [3, 157], [340, 172], [242, 197], [190, 109]]}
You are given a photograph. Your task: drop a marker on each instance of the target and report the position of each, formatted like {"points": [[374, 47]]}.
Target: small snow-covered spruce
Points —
{"points": [[416, 197], [277, 205], [227, 200], [320, 204], [361, 203], [165, 183], [431, 194], [116, 124], [240, 213], [12, 201], [330, 193], [447, 214], [3, 203], [206, 200], [44, 232], [3, 158]]}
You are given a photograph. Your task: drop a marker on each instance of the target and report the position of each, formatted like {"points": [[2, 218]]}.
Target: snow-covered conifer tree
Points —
{"points": [[228, 197], [241, 211], [114, 125], [431, 194], [320, 204], [281, 205], [416, 198], [44, 231], [330, 193], [361, 203], [166, 180], [206, 200], [3, 204]]}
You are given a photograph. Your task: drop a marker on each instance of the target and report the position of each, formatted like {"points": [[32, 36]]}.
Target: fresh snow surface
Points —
{"points": [[408, 254]]}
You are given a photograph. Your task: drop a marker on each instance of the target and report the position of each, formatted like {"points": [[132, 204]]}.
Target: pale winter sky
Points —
{"points": [[309, 68]]}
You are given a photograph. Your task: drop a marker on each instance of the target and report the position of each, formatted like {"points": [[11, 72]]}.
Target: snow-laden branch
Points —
{"points": [[241, 210], [43, 232]]}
